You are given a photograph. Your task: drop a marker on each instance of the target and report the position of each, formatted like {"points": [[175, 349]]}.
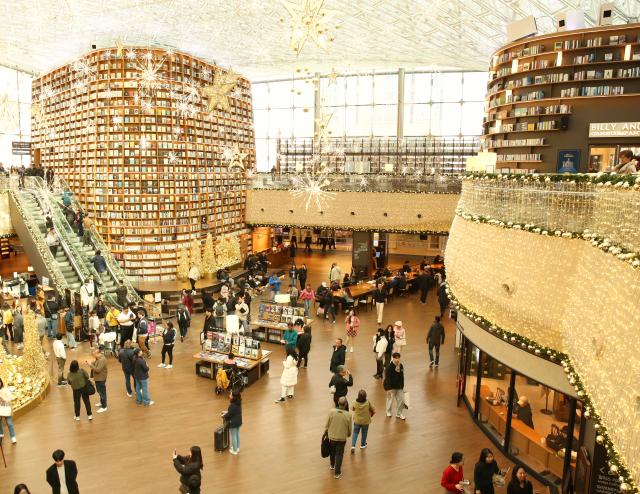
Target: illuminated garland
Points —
{"points": [[598, 179], [602, 243], [617, 465], [351, 228], [355, 189]]}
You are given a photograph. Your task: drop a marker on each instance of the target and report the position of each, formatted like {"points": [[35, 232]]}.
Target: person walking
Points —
{"points": [[99, 371], [400, 336], [62, 475], [141, 379], [125, 356], [122, 295], [78, 379], [242, 311], [304, 346], [143, 333], [362, 412], [302, 276], [435, 338], [338, 356], [425, 282], [484, 471], [52, 241], [7, 321], [187, 300], [394, 386], [111, 319], [338, 429], [18, 328], [194, 275], [6, 410], [340, 383], [190, 469], [443, 299], [379, 349], [61, 358], [453, 475], [233, 416], [289, 377], [69, 325], [86, 300], [352, 325], [307, 296], [335, 274], [184, 320], [168, 340], [307, 244], [380, 297], [519, 483], [329, 307]]}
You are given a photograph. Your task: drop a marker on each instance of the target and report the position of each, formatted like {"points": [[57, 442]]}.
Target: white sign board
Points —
{"points": [[614, 129]]}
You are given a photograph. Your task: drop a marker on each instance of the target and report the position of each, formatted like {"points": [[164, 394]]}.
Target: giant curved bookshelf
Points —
{"points": [[544, 91]]}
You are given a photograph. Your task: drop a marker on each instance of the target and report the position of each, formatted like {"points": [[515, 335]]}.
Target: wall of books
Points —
{"points": [[156, 145], [544, 92]]}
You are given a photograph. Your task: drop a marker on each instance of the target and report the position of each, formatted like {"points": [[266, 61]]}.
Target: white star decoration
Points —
{"points": [[310, 188], [234, 157]]}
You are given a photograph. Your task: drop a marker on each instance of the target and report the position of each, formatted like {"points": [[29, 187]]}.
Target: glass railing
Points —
{"points": [[362, 182]]}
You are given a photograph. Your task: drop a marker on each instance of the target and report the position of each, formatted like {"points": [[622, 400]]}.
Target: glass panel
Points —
{"points": [[359, 120], [24, 87], [385, 120], [303, 122], [493, 397], [472, 115], [303, 94], [471, 370], [260, 95], [333, 94], [450, 119], [261, 123], [447, 87], [474, 86], [281, 123], [262, 155], [385, 88], [416, 119], [417, 88], [281, 94], [337, 122]]}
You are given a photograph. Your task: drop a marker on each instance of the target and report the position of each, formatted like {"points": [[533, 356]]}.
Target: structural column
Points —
{"points": [[400, 122]]}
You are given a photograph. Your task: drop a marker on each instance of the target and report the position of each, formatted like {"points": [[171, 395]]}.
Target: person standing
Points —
{"points": [[352, 325], [289, 377], [143, 333], [125, 356], [99, 262], [242, 311], [340, 383], [362, 412], [329, 307], [6, 410], [18, 328], [99, 371], [484, 471], [94, 328], [209, 324], [122, 295], [425, 282], [233, 416], [435, 338], [302, 276], [51, 313], [338, 428], [21, 489], [52, 242], [293, 274], [111, 318], [61, 358], [338, 356], [304, 346], [194, 275], [184, 320], [293, 295], [307, 295], [453, 475], [400, 336], [77, 379], [274, 284], [307, 243], [86, 300], [101, 312], [379, 349], [189, 467], [168, 340], [519, 483], [443, 299], [141, 378], [62, 475], [7, 321], [335, 274], [394, 386], [41, 325], [380, 297], [69, 325]]}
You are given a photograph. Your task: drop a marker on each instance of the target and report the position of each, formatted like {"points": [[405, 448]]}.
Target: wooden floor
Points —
{"points": [[128, 449]]}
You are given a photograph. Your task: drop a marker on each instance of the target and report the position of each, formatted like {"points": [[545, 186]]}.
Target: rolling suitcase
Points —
{"points": [[221, 439]]}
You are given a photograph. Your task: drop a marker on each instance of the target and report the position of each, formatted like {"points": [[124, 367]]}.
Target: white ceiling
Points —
{"points": [[252, 36]]}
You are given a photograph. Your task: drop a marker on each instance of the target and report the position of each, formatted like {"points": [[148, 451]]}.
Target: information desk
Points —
{"points": [[269, 331], [209, 362], [523, 438]]}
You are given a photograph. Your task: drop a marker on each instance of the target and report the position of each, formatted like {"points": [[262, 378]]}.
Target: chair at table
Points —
{"points": [[366, 301]]}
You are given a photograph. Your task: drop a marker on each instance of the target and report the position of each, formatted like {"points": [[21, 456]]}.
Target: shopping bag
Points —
{"points": [[407, 400], [320, 311], [325, 446]]}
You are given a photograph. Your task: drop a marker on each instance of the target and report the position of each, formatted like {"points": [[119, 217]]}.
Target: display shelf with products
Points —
{"points": [[133, 136]]}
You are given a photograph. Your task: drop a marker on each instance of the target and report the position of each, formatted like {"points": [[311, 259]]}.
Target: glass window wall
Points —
{"points": [[15, 115]]}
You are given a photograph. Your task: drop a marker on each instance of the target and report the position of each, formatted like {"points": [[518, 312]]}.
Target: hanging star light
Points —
{"points": [[8, 109], [333, 77], [322, 127], [234, 157], [83, 68], [131, 55], [205, 74], [119, 47], [218, 92], [308, 22], [363, 182], [172, 158], [311, 189], [149, 79], [146, 106]]}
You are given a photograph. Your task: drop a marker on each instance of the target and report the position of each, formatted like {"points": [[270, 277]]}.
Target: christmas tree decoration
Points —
{"points": [[195, 255], [183, 265], [235, 158], [209, 256], [218, 92]]}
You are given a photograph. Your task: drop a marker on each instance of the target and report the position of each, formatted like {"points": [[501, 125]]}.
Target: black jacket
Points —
{"points": [[234, 415], [125, 356], [140, 369], [425, 282], [380, 296], [436, 334], [207, 300], [337, 358], [341, 384], [443, 298], [392, 378], [70, 474], [169, 336], [190, 473], [514, 488], [184, 319], [302, 275], [304, 342], [209, 324]]}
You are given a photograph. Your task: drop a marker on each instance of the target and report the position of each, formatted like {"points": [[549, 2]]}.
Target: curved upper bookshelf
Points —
{"points": [[553, 82]]}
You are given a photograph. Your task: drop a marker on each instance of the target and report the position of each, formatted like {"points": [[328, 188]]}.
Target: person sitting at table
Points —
{"points": [[406, 268], [523, 411], [401, 282], [424, 264], [346, 281]]}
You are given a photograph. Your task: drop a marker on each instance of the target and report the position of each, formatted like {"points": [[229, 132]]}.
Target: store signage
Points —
{"points": [[614, 129], [21, 148]]}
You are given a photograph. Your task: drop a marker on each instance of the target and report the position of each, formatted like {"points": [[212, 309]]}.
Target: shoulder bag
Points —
{"points": [[89, 388], [325, 446]]}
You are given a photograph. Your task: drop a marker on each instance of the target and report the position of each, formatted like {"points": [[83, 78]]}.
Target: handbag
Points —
{"points": [[320, 311], [555, 439], [325, 445], [498, 480], [89, 388]]}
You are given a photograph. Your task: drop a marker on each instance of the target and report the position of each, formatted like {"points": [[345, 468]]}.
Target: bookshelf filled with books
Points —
{"points": [[147, 152], [544, 91]]}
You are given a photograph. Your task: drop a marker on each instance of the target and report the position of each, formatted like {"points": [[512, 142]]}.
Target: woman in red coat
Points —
{"points": [[187, 300], [352, 325], [453, 476]]}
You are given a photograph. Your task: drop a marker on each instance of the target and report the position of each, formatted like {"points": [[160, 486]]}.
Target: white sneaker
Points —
{"points": [[76, 418], [233, 451], [99, 404], [90, 417], [151, 403], [161, 365], [100, 410], [129, 395], [169, 366], [388, 414], [351, 350], [402, 417], [14, 440]]}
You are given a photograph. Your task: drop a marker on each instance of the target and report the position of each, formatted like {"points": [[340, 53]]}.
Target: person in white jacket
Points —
{"points": [[6, 397], [379, 347], [289, 377], [194, 275], [61, 358]]}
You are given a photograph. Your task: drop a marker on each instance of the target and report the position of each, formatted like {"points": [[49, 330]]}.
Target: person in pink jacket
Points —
{"points": [[352, 325], [307, 295], [400, 337]]}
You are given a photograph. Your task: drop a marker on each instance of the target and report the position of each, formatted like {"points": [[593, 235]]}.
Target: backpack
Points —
{"points": [[219, 312]]}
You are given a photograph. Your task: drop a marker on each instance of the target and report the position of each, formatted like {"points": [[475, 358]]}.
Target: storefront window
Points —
{"points": [[494, 392], [471, 370]]}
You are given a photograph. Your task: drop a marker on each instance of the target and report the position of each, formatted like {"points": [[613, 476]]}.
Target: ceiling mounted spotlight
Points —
{"points": [[353, 213], [419, 216]]}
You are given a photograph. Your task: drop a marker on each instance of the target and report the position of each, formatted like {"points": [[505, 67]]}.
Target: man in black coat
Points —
{"points": [[425, 282], [338, 355], [435, 338], [62, 473], [443, 299], [340, 382], [304, 346]]}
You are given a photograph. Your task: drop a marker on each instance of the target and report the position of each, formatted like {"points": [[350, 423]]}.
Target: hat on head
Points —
{"points": [[397, 323]]}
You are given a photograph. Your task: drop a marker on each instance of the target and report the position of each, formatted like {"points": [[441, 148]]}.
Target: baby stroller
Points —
{"points": [[230, 378], [108, 340]]}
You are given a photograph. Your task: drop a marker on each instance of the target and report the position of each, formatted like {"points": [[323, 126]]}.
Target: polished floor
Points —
{"points": [[128, 449]]}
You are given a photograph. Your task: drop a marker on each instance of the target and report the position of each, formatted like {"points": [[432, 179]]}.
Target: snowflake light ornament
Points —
{"points": [[311, 189]]}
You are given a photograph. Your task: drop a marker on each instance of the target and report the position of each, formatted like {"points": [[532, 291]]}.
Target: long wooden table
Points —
{"points": [[523, 437], [254, 368]]}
